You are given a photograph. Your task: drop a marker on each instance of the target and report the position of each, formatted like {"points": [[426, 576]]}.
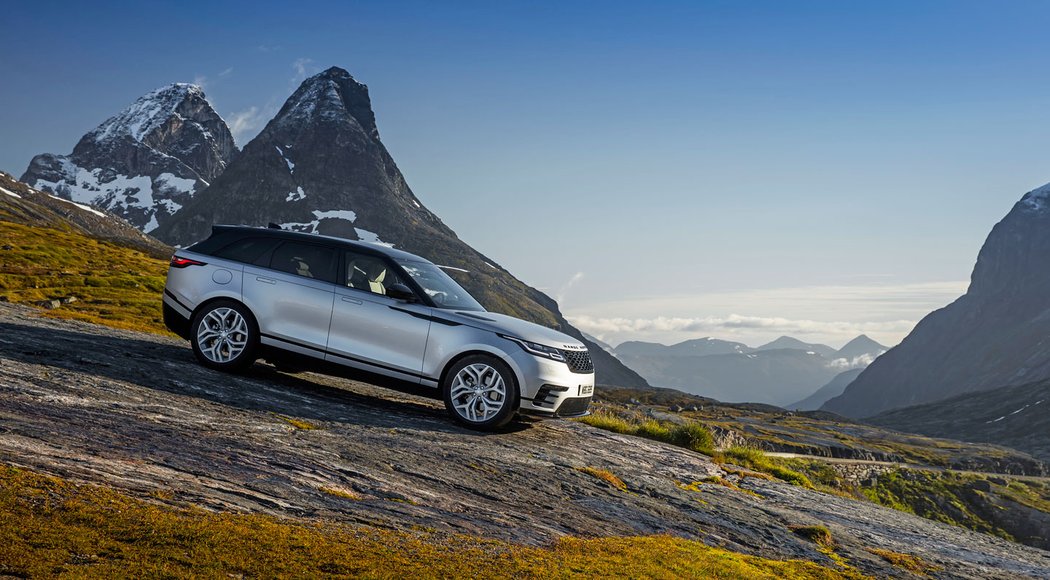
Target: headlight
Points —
{"points": [[537, 349]]}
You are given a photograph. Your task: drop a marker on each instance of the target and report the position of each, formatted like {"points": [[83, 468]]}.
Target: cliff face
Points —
{"points": [[996, 335]]}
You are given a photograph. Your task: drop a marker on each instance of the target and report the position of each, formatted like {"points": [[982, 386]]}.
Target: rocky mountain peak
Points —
{"points": [[333, 96], [145, 162]]}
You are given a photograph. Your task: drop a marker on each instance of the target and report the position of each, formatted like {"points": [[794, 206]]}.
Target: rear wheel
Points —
{"points": [[480, 392], [225, 336]]}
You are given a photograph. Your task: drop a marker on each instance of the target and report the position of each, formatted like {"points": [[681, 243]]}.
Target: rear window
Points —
{"points": [[247, 250], [306, 260]]}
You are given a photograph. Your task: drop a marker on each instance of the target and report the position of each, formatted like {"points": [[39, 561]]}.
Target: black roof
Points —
{"points": [[366, 247]]}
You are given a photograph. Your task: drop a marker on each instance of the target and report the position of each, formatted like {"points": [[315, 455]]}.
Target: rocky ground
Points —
{"points": [[134, 411]]}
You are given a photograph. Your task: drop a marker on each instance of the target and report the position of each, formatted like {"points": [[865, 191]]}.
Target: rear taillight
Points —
{"points": [[178, 262]]}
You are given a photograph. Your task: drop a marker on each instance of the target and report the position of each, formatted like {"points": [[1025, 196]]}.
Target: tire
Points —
{"points": [[225, 336], [466, 400]]}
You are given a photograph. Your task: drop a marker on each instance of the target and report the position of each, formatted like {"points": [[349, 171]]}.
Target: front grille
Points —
{"points": [[579, 361], [573, 407]]}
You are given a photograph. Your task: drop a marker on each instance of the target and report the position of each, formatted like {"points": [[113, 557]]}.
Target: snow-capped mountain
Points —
{"points": [[319, 166], [995, 335], [146, 162]]}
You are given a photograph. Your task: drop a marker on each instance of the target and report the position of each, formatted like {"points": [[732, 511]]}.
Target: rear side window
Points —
{"points": [[306, 260], [247, 250]]}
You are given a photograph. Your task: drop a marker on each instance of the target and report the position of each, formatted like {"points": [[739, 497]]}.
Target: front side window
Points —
{"points": [[306, 260], [369, 273], [440, 287]]}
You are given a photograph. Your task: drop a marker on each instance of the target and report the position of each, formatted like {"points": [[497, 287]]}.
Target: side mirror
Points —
{"points": [[401, 292]]}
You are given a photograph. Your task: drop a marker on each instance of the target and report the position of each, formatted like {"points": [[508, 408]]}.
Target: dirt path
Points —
{"points": [[136, 412]]}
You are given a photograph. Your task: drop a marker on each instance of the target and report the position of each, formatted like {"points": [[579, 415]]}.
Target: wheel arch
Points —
{"points": [[514, 371], [200, 307]]}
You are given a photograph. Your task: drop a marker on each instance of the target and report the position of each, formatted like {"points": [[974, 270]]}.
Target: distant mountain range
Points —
{"points": [[782, 372], [996, 335], [167, 164]]}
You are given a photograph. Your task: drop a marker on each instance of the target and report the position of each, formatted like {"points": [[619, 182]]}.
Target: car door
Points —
{"points": [[292, 296], [372, 331]]}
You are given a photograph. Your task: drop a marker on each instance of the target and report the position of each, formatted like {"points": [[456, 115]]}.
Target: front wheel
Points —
{"points": [[224, 336], [480, 393]]}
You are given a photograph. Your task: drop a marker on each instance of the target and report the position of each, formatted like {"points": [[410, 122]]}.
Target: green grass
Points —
{"points": [[945, 497], [50, 527], [114, 285], [757, 460], [692, 435], [695, 436]]}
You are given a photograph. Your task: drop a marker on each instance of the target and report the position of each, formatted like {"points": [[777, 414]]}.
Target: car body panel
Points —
{"points": [[289, 307], [380, 331]]}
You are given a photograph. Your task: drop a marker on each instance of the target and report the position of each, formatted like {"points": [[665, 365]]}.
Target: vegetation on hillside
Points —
{"points": [[112, 284], [52, 527]]}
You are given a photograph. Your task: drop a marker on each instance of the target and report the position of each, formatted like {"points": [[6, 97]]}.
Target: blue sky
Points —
{"points": [[668, 170]]}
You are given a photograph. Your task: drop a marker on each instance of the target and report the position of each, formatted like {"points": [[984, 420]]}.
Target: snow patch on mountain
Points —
{"points": [[371, 237], [311, 226], [296, 195], [11, 193], [288, 162], [120, 194]]}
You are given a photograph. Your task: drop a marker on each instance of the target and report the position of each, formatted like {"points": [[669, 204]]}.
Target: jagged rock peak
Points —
{"points": [[331, 96], [145, 162], [148, 112]]}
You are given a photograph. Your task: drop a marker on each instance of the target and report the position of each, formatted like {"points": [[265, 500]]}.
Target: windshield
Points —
{"points": [[440, 287]]}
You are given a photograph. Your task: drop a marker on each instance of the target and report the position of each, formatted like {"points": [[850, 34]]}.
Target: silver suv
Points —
{"points": [[370, 312]]}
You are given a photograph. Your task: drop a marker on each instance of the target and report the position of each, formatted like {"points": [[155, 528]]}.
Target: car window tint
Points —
{"points": [[369, 273], [306, 260], [247, 250]]}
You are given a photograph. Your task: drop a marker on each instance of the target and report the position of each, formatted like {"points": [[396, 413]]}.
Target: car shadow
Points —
{"points": [[172, 368]]}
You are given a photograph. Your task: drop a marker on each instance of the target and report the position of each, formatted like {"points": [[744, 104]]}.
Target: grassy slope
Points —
{"points": [[114, 285], [49, 527]]}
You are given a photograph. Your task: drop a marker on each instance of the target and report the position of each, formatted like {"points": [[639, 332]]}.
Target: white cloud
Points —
{"points": [[828, 314], [560, 296], [303, 67], [242, 123], [857, 362], [735, 322], [226, 72]]}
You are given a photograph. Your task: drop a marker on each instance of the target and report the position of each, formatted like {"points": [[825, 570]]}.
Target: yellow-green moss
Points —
{"points": [[604, 475], [50, 527]]}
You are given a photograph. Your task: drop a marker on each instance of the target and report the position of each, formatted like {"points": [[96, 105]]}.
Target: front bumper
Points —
{"points": [[549, 388]]}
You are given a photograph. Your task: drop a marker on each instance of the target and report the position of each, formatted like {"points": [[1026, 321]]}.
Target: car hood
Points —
{"points": [[516, 327]]}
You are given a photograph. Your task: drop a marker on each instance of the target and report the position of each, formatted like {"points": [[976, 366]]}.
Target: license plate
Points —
{"points": [[586, 390]]}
